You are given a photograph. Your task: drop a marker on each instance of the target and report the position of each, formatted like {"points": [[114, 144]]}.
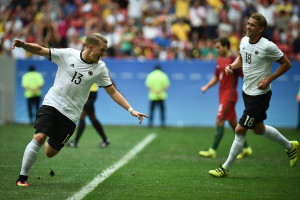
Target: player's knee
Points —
{"points": [[50, 154], [40, 138], [240, 130], [259, 129]]}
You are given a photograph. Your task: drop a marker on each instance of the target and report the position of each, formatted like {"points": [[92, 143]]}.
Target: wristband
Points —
{"points": [[130, 109]]}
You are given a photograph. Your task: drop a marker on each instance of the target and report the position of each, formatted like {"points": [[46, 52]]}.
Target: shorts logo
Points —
{"points": [[66, 139], [90, 73]]}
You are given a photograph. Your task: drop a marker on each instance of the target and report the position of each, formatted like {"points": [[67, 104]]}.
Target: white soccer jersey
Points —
{"points": [[73, 81], [257, 63]]}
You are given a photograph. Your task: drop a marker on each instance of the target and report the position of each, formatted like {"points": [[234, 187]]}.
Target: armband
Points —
{"points": [[130, 110]]}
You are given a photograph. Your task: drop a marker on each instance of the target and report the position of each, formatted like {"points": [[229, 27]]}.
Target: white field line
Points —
{"points": [[109, 171]]}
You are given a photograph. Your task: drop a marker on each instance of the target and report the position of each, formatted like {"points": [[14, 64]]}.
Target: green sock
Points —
{"points": [[245, 144], [218, 136]]}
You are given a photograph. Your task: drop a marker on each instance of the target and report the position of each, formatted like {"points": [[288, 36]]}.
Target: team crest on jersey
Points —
{"points": [[256, 52], [90, 73]]}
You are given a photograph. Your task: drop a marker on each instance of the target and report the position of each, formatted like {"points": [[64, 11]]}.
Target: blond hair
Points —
{"points": [[261, 19], [94, 39]]}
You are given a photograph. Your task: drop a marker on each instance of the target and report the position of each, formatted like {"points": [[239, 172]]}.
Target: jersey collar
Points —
{"points": [[255, 42], [82, 58]]}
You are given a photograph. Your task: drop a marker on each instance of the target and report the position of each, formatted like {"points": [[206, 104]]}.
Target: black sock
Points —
{"points": [[80, 129], [99, 129]]}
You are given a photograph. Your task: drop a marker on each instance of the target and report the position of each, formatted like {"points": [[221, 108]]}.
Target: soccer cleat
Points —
{"points": [[219, 172], [211, 153], [72, 144], [293, 153], [245, 152], [104, 144], [22, 181]]}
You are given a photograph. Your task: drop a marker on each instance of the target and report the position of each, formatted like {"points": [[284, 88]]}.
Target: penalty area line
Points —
{"points": [[110, 170]]}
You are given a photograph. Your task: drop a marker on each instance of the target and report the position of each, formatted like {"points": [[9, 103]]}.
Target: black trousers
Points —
{"points": [[154, 104], [33, 104]]}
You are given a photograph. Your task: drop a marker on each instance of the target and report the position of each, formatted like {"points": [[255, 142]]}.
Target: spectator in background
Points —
{"points": [[135, 11], [157, 83], [235, 13], [32, 83], [182, 9], [197, 16], [212, 21], [225, 29], [268, 10], [150, 30], [126, 45], [181, 29], [75, 42], [209, 52]]}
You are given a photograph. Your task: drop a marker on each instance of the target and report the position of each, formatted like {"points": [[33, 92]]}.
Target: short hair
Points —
{"points": [[261, 20], [95, 38], [31, 68], [158, 67], [224, 41]]}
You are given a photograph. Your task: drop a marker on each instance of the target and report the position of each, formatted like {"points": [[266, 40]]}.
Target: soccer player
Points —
{"points": [[88, 109], [256, 57], [227, 96], [62, 105]]}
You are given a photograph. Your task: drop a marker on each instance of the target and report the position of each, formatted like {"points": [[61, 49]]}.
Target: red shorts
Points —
{"points": [[226, 111]]}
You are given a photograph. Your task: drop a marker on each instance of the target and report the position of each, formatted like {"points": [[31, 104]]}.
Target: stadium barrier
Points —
{"points": [[186, 105]]}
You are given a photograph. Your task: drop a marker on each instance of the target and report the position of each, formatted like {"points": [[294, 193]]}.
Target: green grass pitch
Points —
{"points": [[168, 168]]}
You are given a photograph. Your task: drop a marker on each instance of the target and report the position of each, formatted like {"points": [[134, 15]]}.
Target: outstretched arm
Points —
{"points": [[32, 48], [211, 83], [117, 97]]}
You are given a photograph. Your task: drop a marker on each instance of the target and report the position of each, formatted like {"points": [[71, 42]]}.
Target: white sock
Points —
{"points": [[29, 157], [236, 148], [273, 134]]}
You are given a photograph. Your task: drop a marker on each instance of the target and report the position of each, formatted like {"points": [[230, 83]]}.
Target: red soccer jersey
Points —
{"points": [[227, 84]]}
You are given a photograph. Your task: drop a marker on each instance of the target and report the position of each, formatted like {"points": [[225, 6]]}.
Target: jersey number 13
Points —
{"points": [[77, 78]]}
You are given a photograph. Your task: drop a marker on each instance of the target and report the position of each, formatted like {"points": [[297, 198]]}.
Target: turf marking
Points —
{"points": [[109, 171]]}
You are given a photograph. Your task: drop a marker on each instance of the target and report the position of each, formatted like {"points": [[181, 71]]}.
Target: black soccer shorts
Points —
{"points": [[55, 125], [255, 109]]}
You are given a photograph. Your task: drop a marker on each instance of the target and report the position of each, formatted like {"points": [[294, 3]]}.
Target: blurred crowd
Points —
{"points": [[146, 29]]}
